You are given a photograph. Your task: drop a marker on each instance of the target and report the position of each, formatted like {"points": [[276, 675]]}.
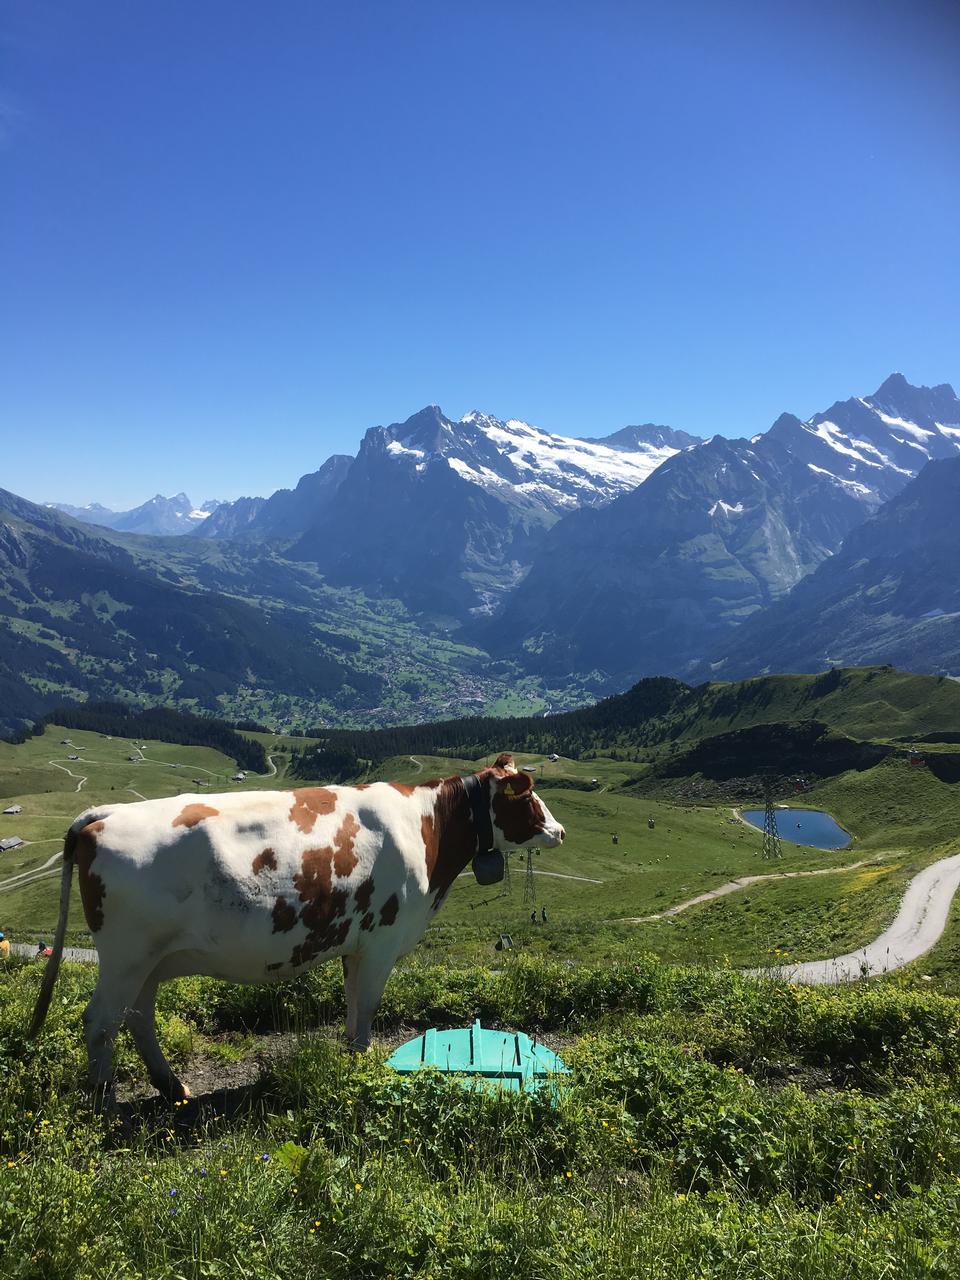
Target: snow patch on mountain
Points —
{"points": [[831, 434], [476, 474], [522, 464], [397, 449], [923, 433], [852, 486], [562, 471]]}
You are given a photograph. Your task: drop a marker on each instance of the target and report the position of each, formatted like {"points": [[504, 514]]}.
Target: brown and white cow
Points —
{"points": [[259, 886]]}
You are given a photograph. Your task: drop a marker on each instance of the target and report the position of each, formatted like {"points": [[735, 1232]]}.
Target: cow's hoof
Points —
{"points": [[103, 1099], [174, 1091]]}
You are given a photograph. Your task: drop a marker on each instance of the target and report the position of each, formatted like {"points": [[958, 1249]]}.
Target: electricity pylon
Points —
{"points": [[771, 836]]}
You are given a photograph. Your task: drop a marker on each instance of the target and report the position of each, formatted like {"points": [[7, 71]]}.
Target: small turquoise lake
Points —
{"points": [[803, 826]]}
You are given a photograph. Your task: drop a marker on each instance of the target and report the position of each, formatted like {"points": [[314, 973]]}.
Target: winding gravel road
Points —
{"points": [[63, 768], [35, 873], [733, 886], [921, 920]]}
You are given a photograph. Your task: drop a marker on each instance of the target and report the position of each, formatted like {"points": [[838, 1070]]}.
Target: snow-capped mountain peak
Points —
{"points": [[520, 462], [479, 419], [872, 445], [467, 502]]}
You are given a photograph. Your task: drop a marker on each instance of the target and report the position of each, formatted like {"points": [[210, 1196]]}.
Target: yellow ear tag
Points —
{"points": [[510, 789]]}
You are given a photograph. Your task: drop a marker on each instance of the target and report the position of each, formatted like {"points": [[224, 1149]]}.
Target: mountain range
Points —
{"points": [[448, 516], [159, 515], [657, 579], [511, 556], [492, 489]]}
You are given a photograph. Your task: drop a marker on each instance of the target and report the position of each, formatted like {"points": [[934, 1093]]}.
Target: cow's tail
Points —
{"points": [[52, 968]]}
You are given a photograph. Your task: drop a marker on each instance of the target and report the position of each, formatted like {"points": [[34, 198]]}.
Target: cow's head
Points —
{"points": [[520, 818]]}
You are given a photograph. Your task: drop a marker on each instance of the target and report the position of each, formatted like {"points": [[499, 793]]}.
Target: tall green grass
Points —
{"points": [[673, 1149]]}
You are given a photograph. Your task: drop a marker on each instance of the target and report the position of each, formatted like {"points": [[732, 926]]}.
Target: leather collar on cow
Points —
{"points": [[488, 863], [479, 798]]}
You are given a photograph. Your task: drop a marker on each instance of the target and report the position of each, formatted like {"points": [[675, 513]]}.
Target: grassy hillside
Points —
{"points": [[864, 702], [901, 818], [52, 789], [869, 702]]}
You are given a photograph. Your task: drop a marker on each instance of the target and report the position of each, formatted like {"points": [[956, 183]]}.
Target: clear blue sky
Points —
{"points": [[234, 235]]}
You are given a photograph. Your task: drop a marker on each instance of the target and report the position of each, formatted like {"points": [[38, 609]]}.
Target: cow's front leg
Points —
{"points": [[366, 976]]}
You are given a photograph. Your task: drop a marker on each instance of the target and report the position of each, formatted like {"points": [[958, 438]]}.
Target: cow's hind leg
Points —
{"points": [[102, 1019], [351, 968], [366, 977], [141, 1019]]}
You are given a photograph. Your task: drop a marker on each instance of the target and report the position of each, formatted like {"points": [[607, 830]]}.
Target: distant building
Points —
{"points": [[10, 842], [73, 757], [239, 777], [14, 808], [553, 758], [133, 758]]}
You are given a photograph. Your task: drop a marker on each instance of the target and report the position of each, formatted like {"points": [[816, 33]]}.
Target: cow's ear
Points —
{"points": [[518, 784], [505, 761]]}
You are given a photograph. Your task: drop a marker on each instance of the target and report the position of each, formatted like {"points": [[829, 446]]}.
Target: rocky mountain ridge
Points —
{"points": [[447, 516], [285, 514], [890, 595], [658, 577]]}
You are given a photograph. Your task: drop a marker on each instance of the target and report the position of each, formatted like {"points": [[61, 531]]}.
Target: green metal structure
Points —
{"points": [[481, 1058], [772, 848]]}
